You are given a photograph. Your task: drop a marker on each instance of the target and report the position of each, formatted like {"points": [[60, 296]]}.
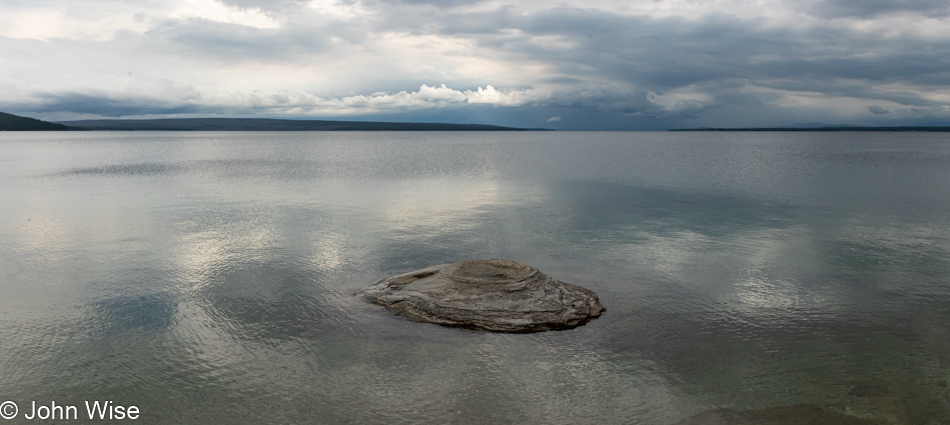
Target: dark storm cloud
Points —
{"points": [[201, 38], [873, 8], [105, 104], [715, 52], [561, 60], [852, 89], [668, 51], [674, 52], [122, 104]]}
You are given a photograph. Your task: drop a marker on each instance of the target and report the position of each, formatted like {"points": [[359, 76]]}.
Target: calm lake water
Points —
{"points": [[208, 278]]}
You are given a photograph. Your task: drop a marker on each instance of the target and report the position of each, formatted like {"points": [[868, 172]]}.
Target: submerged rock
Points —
{"points": [[493, 295]]}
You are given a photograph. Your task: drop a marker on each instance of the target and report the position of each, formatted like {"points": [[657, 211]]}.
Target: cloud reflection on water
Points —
{"points": [[224, 282]]}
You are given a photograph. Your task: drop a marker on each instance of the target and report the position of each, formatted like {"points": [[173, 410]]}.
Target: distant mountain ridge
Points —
{"points": [[10, 122], [936, 129], [267, 124]]}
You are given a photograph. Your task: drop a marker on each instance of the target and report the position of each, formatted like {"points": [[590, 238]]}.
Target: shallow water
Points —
{"points": [[208, 277]]}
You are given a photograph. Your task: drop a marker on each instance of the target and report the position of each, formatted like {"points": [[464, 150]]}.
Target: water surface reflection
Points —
{"points": [[208, 277]]}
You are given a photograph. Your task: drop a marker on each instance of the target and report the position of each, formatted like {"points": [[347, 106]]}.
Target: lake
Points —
{"points": [[208, 278]]}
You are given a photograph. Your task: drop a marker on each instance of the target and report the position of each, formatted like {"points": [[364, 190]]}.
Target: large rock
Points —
{"points": [[493, 295]]}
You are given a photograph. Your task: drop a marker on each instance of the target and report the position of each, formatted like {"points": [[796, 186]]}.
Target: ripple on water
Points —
{"points": [[793, 415], [209, 277]]}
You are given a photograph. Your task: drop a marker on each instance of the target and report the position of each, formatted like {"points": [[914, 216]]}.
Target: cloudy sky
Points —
{"points": [[591, 65]]}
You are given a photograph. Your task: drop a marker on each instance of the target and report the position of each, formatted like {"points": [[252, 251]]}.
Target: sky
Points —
{"points": [[570, 65]]}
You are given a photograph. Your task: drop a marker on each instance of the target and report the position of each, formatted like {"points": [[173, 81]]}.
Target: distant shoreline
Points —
{"points": [[269, 124], [9, 122], [876, 129]]}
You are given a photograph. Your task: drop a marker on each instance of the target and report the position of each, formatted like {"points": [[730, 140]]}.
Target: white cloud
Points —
{"points": [[215, 11], [302, 103]]}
